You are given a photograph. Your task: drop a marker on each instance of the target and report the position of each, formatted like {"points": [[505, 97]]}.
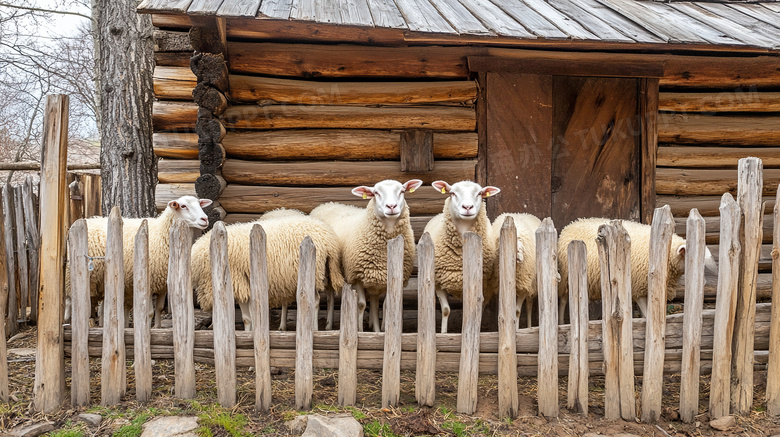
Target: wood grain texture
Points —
{"points": [[425, 375], [721, 72], [707, 205], [164, 5], [224, 318], [393, 308], [652, 379], [738, 100], [174, 116], [178, 171], [239, 8], [698, 182], [182, 309], [11, 315], [719, 129], [648, 139], [508, 401], [773, 378], [547, 283], [175, 145], [348, 347], [80, 313], [33, 237], [692, 318], [4, 393], [304, 382], [715, 157], [258, 304], [531, 19], [577, 396], [725, 307], [113, 363], [473, 300], [21, 255], [417, 150], [728, 26], [171, 41], [142, 307]]}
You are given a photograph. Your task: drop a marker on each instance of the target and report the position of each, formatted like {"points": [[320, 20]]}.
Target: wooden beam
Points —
{"points": [[173, 83], [172, 59], [648, 116], [177, 171], [171, 21], [417, 151], [564, 64], [720, 130], [175, 145], [727, 72], [715, 157], [174, 116], [171, 41], [737, 100], [687, 182]]}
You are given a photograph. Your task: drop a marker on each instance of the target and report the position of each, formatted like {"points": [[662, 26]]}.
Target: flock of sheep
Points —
{"points": [[351, 247]]}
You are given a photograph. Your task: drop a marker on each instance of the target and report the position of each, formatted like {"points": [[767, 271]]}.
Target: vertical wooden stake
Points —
{"points": [[655, 328], [468, 373], [348, 345], [750, 185], [224, 318], [773, 367], [547, 282], [258, 285], [113, 314], [21, 255], [33, 245], [578, 314], [615, 260], [3, 304], [692, 319], [508, 400], [81, 308], [304, 338], [425, 378], [142, 307], [725, 306], [182, 309], [11, 314], [391, 362]]}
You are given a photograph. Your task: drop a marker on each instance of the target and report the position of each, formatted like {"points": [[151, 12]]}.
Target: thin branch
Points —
{"points": [[50, 11]]}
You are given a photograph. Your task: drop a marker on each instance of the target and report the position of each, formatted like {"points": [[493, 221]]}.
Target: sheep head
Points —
{"points": [[465, 197], [190, 209], [388, 197]]}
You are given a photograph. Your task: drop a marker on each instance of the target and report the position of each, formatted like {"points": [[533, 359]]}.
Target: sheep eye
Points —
{"points": [[184, 207]]}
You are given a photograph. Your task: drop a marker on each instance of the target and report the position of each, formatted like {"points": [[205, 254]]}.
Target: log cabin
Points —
{"points": [[574, 108]]}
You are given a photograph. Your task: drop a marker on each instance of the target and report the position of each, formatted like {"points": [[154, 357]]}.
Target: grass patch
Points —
{"points": [[377, 429], [136, 426], [215, 418]]}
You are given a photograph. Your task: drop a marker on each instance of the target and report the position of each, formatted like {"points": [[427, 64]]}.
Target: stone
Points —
{"points": [[171, 426], [625, 434], [298, 425], [723, 423], [342, 425], [33, 430], [91, 419], [593, 434]]}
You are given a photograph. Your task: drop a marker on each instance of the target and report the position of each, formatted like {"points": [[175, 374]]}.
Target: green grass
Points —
{"points": [[135, 427], [217, 417], [357, 414], [69, 430], [377, 429]]}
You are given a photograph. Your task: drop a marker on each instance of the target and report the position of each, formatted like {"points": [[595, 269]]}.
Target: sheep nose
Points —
{"points": [[468, 207], [204, 219], [392, 207]]}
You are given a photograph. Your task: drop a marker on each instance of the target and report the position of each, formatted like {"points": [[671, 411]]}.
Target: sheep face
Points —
{"points": [[465, 197], [710, 265], [190, 209], [388, 196]]}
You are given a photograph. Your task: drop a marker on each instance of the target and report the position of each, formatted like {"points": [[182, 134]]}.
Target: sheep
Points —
{"points": [[284, 230], [363, 234], [525, 274], [586, 229], [187, 208], [464, 211]]}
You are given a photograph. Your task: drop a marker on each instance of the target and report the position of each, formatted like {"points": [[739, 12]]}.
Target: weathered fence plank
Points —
{"points": [[3, 304], [508, 400], [653, 378], [112, 386], [692, 317], [33, 245], [142, 307], [579, 318], [348, 347], [725, 306], [750, 184], [425, 377], [182, 309], [21, 255], [615, 259], [12, 314], [81, 308], [224, 318], [304, 341], [258, 301], [547, 277], [773, 367], [393, 311], [468, 373]]}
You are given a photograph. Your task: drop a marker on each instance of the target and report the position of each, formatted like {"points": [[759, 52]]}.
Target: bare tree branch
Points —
{"points": [[48, 11]]}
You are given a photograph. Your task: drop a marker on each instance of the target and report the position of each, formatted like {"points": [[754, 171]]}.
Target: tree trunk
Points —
{"points": [[126, 63]]}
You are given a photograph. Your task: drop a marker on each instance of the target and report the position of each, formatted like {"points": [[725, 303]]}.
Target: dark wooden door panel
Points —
{"points": [[519, 142]]}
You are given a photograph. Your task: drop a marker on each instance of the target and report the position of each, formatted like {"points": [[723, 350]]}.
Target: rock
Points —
{"points": [[91, 419], [33, 430], [342, 425], [22, 351], [593, 434], [170, 426], [723, 423], [625, 434], [298, 425]]}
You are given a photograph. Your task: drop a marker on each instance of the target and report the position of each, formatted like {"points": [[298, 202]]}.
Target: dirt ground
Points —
{"points": [[406, 419]]}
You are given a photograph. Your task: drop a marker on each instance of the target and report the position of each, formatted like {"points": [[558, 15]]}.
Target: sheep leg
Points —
{"points": [[283, 322], [445, 308], [246, 315], [518, 310], [561, 310], [361, 305], [331, 302], [127, 316], [316, 321], [374, 313], [158, 307], [529, 309], [641, 302]]}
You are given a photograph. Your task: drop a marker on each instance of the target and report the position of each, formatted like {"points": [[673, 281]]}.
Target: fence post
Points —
{"points": [[80, 304], [579, 317], [111, 381], [692, 319], [750, 186], [182, 309], [50, 356], [142, 307], [391, 362], [725, 306], [21, 255], [258, 287], [224, 318], [33, 245], [348, 345], [425, 377], [508, 401], [304, 338], [615, 259], [11, 314], [547, 277], [468, 372], [655, 323], [3, 304], [773, 372]]}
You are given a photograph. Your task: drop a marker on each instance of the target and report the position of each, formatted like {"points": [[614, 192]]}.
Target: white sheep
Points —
{"points": [[363, 234], [284, 230], [586, 229], [186, 208], [464, 211], [525, 273]]}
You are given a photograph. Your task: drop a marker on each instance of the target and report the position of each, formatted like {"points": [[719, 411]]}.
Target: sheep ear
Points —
{"points": [[363, 191], [442, 186], [205, 202], [681, 250], [489, 191], [412, 185], [173, 204]]}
